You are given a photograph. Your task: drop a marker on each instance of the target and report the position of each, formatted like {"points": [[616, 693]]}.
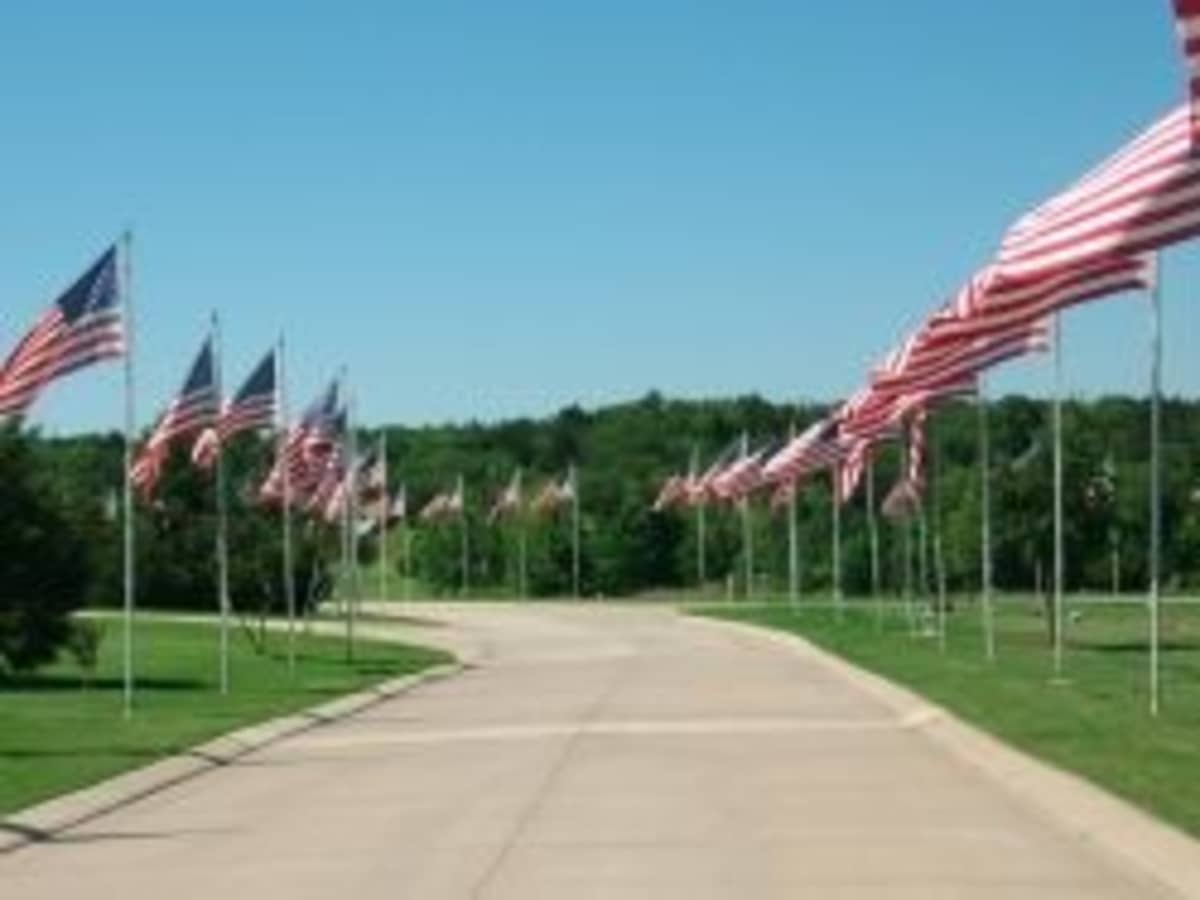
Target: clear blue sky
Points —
{"points": [[495, 209]]}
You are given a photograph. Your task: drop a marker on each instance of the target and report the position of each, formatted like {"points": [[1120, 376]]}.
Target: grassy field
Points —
{"points": [[56, 737], [1096, 722]]}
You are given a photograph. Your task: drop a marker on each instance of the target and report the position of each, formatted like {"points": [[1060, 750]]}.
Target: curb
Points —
{"points": [[47, 820], [1159, 852]]}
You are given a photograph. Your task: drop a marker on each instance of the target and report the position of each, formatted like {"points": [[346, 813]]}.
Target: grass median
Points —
{"points": [[57, 735], [1094, 722]]}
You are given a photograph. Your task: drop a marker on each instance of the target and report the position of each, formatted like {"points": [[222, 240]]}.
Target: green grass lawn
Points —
{"points": [[1096, 723], [56, 737]]}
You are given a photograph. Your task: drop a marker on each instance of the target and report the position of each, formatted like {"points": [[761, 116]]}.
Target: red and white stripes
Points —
{"points": [[1187, 17], [1143, 198]]}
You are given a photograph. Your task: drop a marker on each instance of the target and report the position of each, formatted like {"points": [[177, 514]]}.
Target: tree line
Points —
{"points": [[61, 532]]}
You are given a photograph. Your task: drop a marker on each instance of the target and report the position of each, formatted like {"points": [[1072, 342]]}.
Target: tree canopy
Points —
{"points": [[62, 542]]}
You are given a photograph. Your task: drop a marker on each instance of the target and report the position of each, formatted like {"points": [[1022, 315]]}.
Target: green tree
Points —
{"points": [[44, 571]]}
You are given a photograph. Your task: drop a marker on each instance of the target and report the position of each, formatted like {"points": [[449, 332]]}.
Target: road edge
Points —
{"points": [[45, 821], [1158, 850]]}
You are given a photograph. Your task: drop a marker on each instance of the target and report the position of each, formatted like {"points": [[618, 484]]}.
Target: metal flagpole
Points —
{"points": [[793, 540], [289, 575], [346, 575], [351, 504], [747, 531], [834, 475], [126, 280], [524, 571], [748, 527], [383, 519], [222, 515], [466, 550], [1155, 486], [406, 545], [1058, 500], [575, 529], [922, 549], [985, 525], [522, 545], [700, 538], [343, 579], [873, 536], [909, 612], [793, 552], [939, 562]]}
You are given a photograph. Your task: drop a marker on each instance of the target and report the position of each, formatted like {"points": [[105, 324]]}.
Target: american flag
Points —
{"points": [[904, 499], [721, 486], [251, 408], [988, 323], [194, 408], [887, 416], [308, 446], [83, 326], [917, 452], [933, 394], [434, 509], [456, 503], [370, 478], [863, 416], [991, 308], [548, 499], [870, 420], [960, 359], [991, 303], [817, 447], [327, 498], [673, 490], [1187, 17], [959, 374], [509, 500], [744, 475], [363, 481], [1142, 198], [907, 383], [444, 505], [254, 405], [566, 490], [850, 470], [699, 488], [555, 493]]}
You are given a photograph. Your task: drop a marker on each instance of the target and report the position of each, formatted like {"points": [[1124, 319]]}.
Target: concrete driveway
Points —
{"points": [[596, 751]]}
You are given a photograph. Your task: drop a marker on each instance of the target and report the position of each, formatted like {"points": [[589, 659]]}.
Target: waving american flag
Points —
{"points": [[193, 409], [251, 408], [308, 447], [83, 326]]}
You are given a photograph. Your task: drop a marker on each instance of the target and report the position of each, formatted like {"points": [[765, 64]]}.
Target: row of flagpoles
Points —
{"points": [[317, 467], [1098, 238]]}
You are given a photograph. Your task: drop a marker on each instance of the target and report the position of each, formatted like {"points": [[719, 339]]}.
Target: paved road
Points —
{"points": [[601, 752]]}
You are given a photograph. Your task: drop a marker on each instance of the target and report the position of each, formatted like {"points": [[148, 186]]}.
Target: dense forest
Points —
{"points": [[623, 452]]}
